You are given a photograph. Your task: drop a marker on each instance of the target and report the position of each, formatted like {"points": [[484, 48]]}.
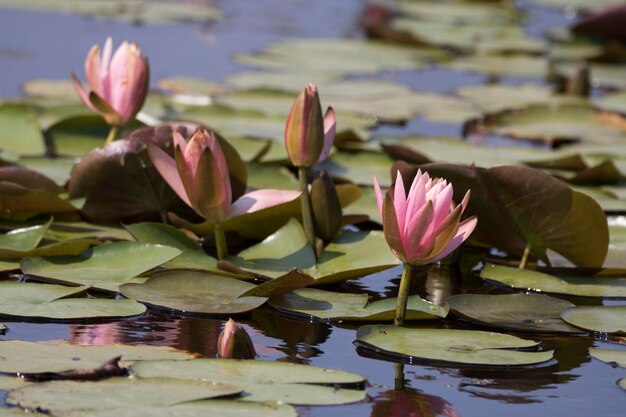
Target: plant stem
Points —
{"points": [[399, 379], [307, 209], [220, 241], [524, 260], [113, 134], [403, 295]]}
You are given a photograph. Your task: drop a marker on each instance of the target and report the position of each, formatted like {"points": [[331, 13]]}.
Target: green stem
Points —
{"points": [[399, 379], [220, 241], [113, 134], [524, 261], [403, 295], [307, 209]]}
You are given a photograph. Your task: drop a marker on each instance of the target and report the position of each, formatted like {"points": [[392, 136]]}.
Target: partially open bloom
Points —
{"points": [[119, 84], [424, 226], [234, 342], [199, 174], [309, 136]]}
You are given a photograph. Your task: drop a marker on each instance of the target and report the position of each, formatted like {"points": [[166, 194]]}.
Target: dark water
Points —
{"points": [[50, 45]]}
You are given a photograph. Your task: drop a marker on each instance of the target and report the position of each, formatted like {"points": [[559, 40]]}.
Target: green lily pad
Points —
{"points": [[487, 37], [192, 256], [292, 82], [520, 312], [194, 292], [58, 396], [191, 86], [602, 75], [364, 205], [52, 89], [497, 97], [65, 247], [20, 131], [80, 230], [104, 267], [579, 4], [31, 358], [23, 202], [502, 65], [342, 259], [592, 286], [23, 239], [353, 307], [459, 346], [8, 382], [457, 11], [281, 285], [611, 319], [207, 408], [264, 381], [565, 121], [613, 102], [137, 11], [9, 266], [270, 177], [328, 57], [57, 169], [359, 168], [609, 356], [37, 301]]}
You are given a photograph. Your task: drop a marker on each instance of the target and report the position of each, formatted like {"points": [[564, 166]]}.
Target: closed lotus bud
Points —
{"points": [[234, 342], [118, 82], [326, 207], [309, 136], [422, 226]]}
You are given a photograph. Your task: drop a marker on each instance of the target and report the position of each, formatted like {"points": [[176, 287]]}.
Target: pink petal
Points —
{"points": [[379, 197], [105, 70], [166, 166], [82, 93], [222, 187], [261, 199], [464, 230], [93, 69], [399, 201], [330, 126], [443, 204]]}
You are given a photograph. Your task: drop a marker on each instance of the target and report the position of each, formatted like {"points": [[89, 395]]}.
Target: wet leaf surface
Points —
{"points": [[609, 319]]}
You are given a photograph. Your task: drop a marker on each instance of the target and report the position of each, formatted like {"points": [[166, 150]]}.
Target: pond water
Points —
{"points": [[50, 45]]}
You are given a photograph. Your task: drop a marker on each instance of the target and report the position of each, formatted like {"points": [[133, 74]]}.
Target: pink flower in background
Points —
{"points": [[424, 226], [199, 175], [234, 342], [309, 136], [119, 83]]}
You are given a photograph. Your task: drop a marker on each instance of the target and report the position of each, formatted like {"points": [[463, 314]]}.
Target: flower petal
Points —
{"points": [[166, 166], [399, 201], [82, 93], [260, 200], [463, 231], [379, 197], [391, 230], [330, 126]]}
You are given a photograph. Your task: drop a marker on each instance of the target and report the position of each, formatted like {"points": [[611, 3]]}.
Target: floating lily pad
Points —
{"points": [[614, 102], [57, 169], [291, 82], [360, 167], [353, 307], [264, 381], [2, 327], [104, 267], [57, 396], [270, 177], [486, 37], [458, 11], [609, 356], [8, 382], [192, 256], [566, 121], [23, 202], [579, 4], [22, 357], [342, 259], [20, 131], [29, 300], [611, 319], [281, 285], [590, 286], [521, 312], [81, 230], [339, 56], [498, 97], [602, 75], [502, 65], [194, 292], [9, 266], [136, 11], [460, 346], [208, 408], [54, 89], [23, 239]]}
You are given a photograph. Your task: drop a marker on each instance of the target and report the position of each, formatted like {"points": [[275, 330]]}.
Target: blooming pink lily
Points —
{"points": [[424, 226], [199, 175], [309, 137], [119, 84]]}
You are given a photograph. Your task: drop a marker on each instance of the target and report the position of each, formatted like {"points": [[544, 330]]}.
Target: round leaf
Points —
{"points": [[460, 346], [611, 319], [521, 312], [194, 292], [609, 356]]}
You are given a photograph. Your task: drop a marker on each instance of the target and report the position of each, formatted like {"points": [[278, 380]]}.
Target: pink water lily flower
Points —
{"points": [[424, 226], [118, 82], [199, 175], [309, 137]]}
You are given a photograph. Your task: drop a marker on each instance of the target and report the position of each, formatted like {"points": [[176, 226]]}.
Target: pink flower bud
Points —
{"points": [[234, 342], [119, 84], [309, 136], [424, 226]]}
